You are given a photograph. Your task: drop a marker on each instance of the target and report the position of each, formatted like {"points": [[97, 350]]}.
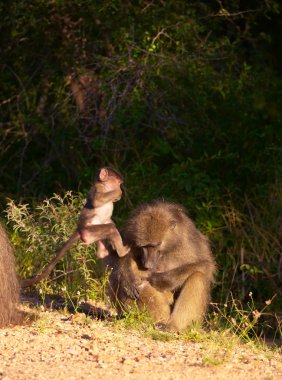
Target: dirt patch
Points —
{"points": [[58, 346]]}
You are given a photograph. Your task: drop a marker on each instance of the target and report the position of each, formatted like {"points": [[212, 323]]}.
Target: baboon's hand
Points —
{"points": [[118, 195], [129, 284], [131, 290], [161, 281]]}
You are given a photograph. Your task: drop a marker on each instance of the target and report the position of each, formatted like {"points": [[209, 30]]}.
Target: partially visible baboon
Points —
{"points": [[127, 284], [170, 268], [9, 287], [94, 222]]}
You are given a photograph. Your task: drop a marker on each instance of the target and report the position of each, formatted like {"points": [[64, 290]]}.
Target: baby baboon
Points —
{"points": [[94, 223], [169, 258], [9, 287]]}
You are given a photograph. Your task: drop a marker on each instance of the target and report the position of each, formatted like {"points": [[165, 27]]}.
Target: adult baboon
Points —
{"points": [[9, 287], [170, 268]]}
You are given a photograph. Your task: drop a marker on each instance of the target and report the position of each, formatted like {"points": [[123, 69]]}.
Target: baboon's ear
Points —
{"points": [[172, 224], [103, 175]]}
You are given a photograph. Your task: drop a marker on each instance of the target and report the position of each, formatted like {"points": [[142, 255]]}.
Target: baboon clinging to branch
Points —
{"points": [[9, 287], [170, 268]]}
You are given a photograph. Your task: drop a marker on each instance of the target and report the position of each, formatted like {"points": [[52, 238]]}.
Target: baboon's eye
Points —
{"points": [[153, 245]]}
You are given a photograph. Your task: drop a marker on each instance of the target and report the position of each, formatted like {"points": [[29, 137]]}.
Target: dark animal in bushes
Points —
{"points": [[9, 286]]}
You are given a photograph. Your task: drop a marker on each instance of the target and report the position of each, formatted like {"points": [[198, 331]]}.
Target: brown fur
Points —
{"points": [[9, 287], [119, 288], [169, 258]]}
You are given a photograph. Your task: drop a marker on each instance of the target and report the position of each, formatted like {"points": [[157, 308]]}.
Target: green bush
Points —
{"points": [[38, 235]]}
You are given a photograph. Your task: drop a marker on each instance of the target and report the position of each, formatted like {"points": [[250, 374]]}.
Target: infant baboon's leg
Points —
{"points": [[96, 232]]}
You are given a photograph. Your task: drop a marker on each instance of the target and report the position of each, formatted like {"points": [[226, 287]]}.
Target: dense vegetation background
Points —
{"points": [[183, 97]]}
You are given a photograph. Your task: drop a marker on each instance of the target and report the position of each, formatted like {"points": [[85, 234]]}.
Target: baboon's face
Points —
{"points": [[151, 255], [155, 242], [157, 255], [156, 232]]}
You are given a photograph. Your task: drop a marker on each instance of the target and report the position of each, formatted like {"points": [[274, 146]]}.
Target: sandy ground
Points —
{"points": [[59, 346]]}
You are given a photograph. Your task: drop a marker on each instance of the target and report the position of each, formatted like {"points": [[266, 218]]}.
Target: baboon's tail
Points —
{"points": [[46, 271]]}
